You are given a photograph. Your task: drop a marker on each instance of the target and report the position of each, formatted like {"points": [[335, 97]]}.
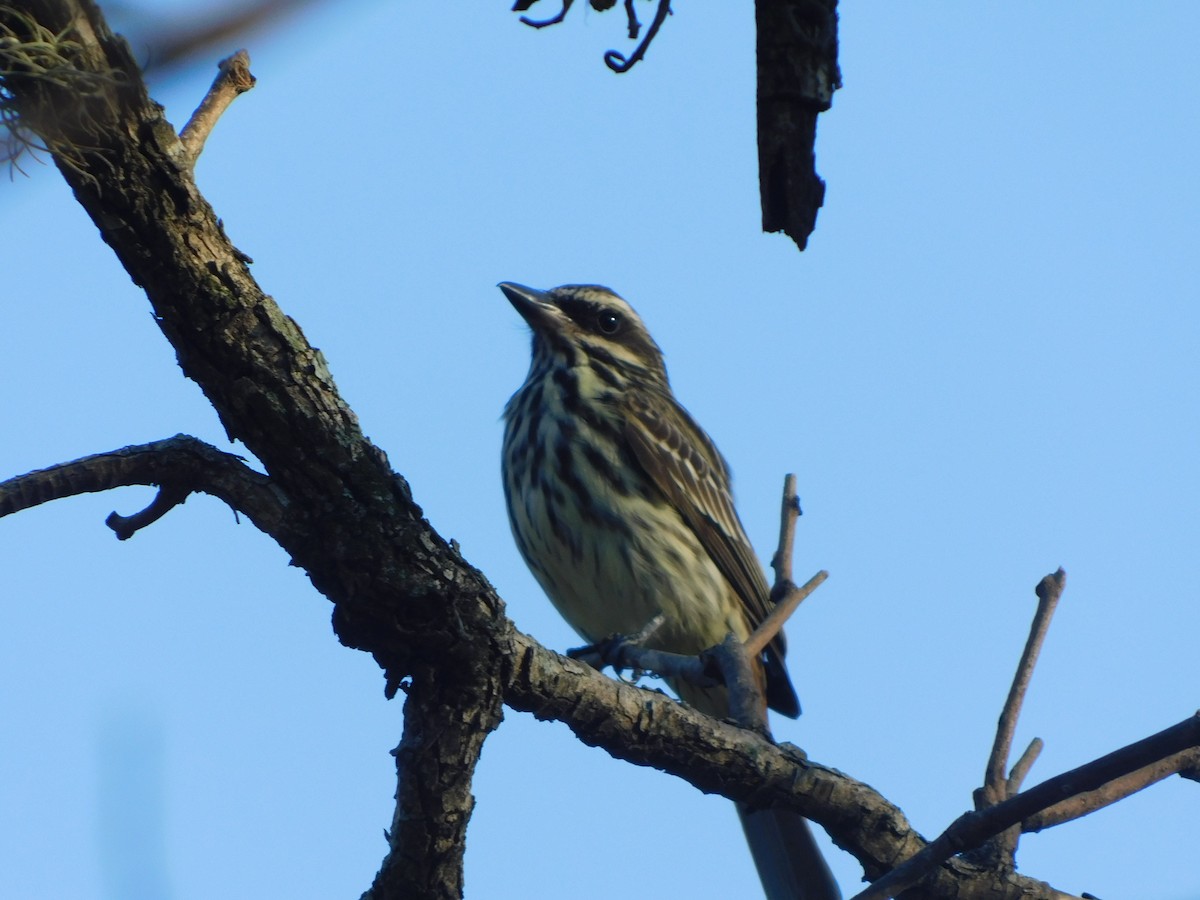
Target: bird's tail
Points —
{"points": [[789, 863]]}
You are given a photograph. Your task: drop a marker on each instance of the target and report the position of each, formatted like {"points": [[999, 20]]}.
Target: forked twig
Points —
{"points": [[971, 829], [1049, 590]]}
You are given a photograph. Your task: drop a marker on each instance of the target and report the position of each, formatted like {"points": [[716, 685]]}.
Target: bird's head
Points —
{"points": [[588, 324]]}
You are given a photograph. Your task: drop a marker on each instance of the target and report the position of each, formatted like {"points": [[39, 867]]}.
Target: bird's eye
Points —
{"points": [[608, 322]]}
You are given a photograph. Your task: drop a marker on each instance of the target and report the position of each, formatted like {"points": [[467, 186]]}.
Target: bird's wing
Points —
{"points": [[683, 463]]}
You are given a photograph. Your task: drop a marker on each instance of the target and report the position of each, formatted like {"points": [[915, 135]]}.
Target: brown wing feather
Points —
{"points": [[683, 463]]}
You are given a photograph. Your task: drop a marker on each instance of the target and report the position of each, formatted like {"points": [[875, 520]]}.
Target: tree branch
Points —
{"points": [[1002, 850], [1049, 590], [445, 725], [650, 729], [400, 590], [1115, 790], [973, 828], [180, 466]]}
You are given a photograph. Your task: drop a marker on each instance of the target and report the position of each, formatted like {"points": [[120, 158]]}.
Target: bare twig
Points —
{"points": [[994, 783], [1017, 776], [784, 593], [618, 62], [781, 562], [553, 20], [233, 79], [973, 828], [1113, 791], [784, 607], [168, 497], [631, 19], [614, 59]]}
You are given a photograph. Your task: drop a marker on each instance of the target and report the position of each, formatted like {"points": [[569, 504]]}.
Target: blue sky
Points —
{"points": [[984, 366]]}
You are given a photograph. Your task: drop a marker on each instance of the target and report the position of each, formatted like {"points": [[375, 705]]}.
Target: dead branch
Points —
{"points": [[792, 598], [797, 76], [996, 788], [973, 828], [1022, 766], [651, 729], [1049, 590], [789, 513], [1117, 789], [179, 466], [232, 80]]}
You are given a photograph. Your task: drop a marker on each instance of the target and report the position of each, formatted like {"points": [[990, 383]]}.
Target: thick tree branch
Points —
{"points": [[445, 723], [180, 466], [400, 590], [650, 729]]}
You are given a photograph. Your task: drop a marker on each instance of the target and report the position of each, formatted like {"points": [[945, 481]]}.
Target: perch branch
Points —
{"points": [[650, 729], [725, 662], [629, 652], [234, 78]]}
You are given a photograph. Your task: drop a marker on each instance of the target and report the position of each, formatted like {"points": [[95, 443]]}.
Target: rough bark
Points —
{"points": [[797, 75]]}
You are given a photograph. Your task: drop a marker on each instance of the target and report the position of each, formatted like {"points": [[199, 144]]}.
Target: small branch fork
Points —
{"points": [[996, 787], [973, 828], [1002, 813], [233, 79], [730, 662], [178, 466]]}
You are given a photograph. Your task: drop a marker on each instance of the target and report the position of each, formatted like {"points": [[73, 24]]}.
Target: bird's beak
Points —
{"points": [[535, 306]]}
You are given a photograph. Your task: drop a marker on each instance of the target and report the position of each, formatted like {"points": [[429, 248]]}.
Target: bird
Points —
{"points": [[622, 507]]}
